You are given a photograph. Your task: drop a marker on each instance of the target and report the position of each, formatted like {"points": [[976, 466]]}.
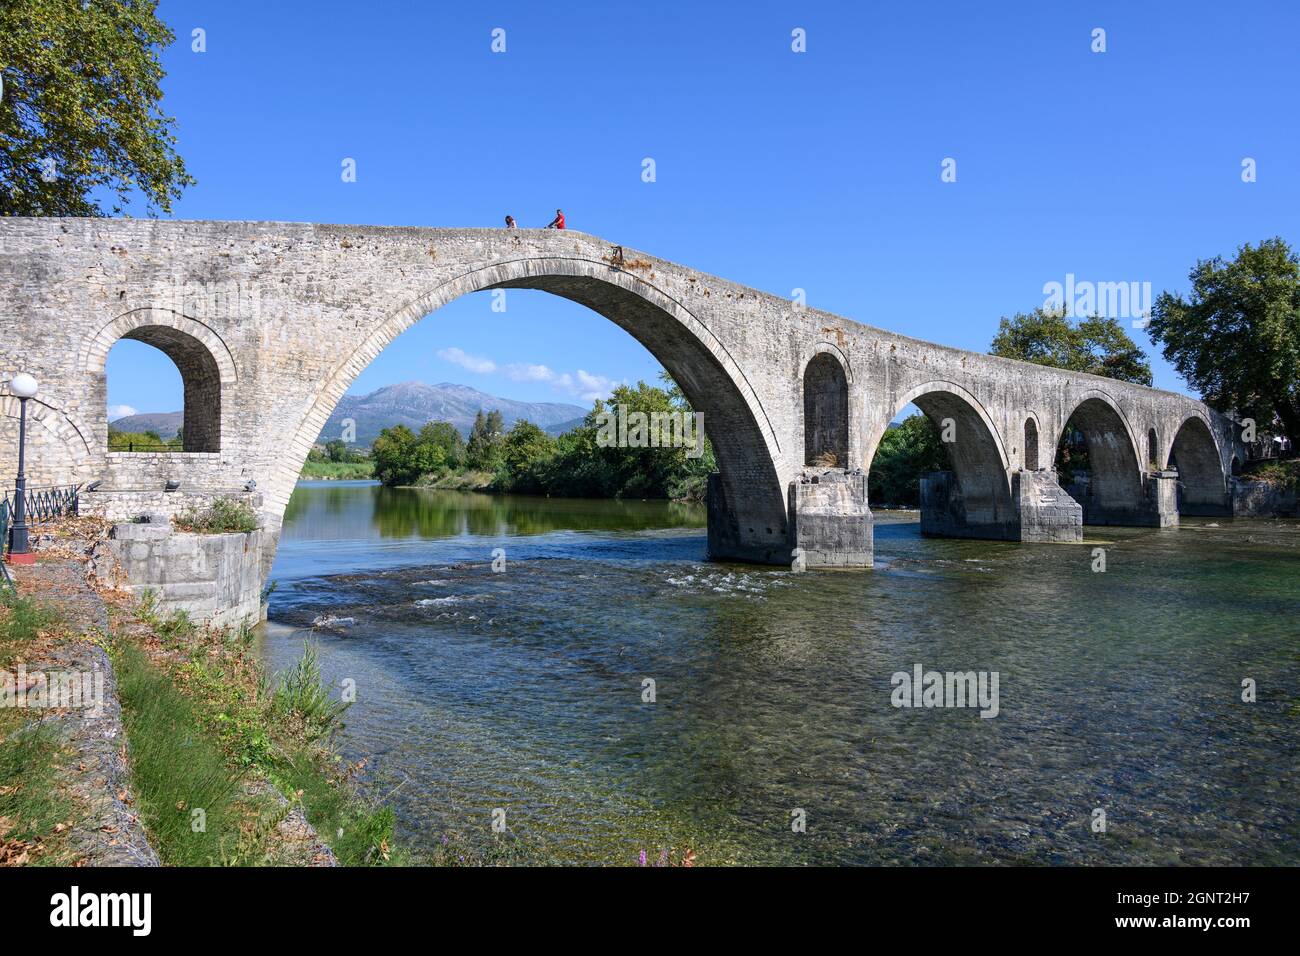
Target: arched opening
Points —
{"points": [[151, 371], [969, 495], [1098, 466], [747, 508], [825, 413], [1031, 445], [1202, 489], [1153, 450]]}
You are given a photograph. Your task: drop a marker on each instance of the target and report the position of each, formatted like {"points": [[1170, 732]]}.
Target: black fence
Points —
{"points": [[43, 504]]}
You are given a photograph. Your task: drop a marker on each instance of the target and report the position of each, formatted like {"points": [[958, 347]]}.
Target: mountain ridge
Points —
{"points": [[412, 403]]}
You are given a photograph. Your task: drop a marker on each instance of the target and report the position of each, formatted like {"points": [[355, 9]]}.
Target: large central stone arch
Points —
{"points": [[744, 441]]}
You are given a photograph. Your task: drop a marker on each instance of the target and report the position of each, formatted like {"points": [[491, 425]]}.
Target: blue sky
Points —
{"points": [[781, 170]]}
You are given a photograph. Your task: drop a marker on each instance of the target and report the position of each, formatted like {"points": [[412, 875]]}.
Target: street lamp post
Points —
{"points": [[23, 386]]}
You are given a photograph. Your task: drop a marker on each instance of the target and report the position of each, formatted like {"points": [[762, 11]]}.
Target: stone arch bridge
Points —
{"points": [[269, 324]]}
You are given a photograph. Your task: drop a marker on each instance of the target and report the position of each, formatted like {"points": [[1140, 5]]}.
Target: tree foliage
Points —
{"points": [[485, 437], [1098, 346], [1236, 337], [526, 454], [79, 110], [147, 440], [904, 454], [402, 458], [528, 461]]}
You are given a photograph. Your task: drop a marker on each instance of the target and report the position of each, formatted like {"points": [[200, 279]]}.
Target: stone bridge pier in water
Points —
{"points": [[270, 323]]}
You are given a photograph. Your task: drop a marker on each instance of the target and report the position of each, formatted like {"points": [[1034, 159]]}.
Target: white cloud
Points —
{"points": [[120, 411], [592, 387], [581, 384], [531, 373], [483, 366]]}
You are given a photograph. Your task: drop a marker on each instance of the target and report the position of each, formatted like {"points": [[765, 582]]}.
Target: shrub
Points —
{"points": [[302, 699], [222, 516]]}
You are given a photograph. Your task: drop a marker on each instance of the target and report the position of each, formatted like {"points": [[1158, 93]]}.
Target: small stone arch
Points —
{"points": [[203, 359], [825, 412], [1031, 444], [1153, 450]]}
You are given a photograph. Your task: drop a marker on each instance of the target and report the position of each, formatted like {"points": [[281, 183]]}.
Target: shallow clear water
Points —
{"points": [[523, 689]]}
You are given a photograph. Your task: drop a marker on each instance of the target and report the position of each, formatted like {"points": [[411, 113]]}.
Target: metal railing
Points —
{"points": [[46, 503], [43, 504]]}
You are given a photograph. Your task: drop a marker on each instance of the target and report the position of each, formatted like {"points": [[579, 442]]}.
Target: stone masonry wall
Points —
{"points": [[215, 578]]}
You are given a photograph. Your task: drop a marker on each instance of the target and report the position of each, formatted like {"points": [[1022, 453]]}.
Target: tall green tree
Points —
{"points": [[448, 438], [1098, 346], [79, 111], [1236, 337], [484, 448], [525, 452]]}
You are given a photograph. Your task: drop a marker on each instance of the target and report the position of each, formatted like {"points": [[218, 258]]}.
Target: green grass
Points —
{"points": [[34, 812], [213, 709], [21, 620], [338, 470], [304, 703], [31, 803], [177, 768], [468, 480], [359, 834]]}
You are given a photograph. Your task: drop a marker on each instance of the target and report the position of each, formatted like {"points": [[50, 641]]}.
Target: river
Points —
{"points": [[772, 736]]}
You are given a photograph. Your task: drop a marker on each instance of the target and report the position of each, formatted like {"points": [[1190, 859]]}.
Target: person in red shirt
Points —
{"points": [[558, 221]]}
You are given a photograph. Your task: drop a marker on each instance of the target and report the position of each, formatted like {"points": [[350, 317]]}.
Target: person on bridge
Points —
{"points": [[558, 221], [510, 223]]}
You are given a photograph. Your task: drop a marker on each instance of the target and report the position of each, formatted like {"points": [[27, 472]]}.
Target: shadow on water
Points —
{"points": [[772, 691]]}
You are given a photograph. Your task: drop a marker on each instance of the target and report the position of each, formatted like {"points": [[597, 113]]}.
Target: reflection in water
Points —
{"points": [[522, 689], [335, 508]]}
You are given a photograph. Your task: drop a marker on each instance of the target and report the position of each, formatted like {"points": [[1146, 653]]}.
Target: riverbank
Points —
{"points": [[337, 470], [220, 764], [65, 794]]}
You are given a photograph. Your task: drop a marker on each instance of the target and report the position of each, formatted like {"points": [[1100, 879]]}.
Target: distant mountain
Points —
{"points": [[562, 427], [164, 424], [414, 404]]}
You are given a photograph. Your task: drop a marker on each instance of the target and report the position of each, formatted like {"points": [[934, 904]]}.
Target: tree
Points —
{"points": [[447, 437], [904, 454], [336, 450], [484, 449], [402, 459], [524, 452], [80, 109], [1098, 346], [1236, 338]]}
